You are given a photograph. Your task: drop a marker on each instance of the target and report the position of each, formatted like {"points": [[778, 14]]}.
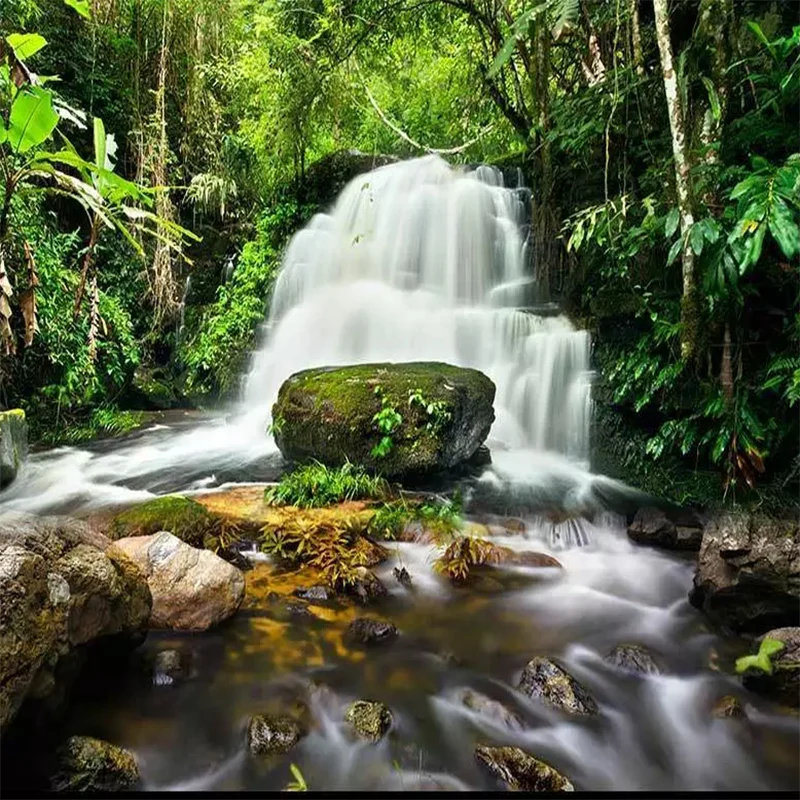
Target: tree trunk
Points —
{"points": [[690, 305], [636, 36]]}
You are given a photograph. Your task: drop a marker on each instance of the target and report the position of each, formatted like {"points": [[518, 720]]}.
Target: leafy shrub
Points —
{"points": [[316, 485], [465, 552], [103, 421]]}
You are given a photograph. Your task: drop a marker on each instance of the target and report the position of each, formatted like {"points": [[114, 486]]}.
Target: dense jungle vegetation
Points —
{"points": [[144, 142]]}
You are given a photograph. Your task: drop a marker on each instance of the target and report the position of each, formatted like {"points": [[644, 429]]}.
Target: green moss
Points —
{"points": [[184, 518]]}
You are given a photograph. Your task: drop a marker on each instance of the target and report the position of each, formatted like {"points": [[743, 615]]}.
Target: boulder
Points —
{"points": [[61, 586], [366, 588], [371, 631], [369, 720], [13, 443], [748, 572], [182, 517], [493, 710], [633, 658], [520, 771], [92, 765], [783, 685], [544, 680], [328, 414], [192, 589], [269, 735], [671, 531]]}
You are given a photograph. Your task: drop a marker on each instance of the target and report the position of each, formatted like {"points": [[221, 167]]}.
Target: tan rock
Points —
{"points": [[192, 589]]}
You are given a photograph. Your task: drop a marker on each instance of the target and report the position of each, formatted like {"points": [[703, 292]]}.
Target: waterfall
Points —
{"points": [[419, 260]]}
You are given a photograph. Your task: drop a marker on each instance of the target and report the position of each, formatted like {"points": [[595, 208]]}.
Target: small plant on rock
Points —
{"points": [[762, 660], [388, 420], [315, 485]]}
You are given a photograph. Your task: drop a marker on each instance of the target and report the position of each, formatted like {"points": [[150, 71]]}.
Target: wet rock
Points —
{"points": [[402, 577], [748, 572], [520, 771], [485, 584], [528, 558], [61, 586], [366, 588], [192, 589], [543, 679], [92, 765], [728, 707], [783, 685], [13, 444], [655, 527], [372, 631], [289, 609], [169, 667], [633, 658], [417, 533], [312, 593], [370, 720], [506, 526], [489, 708], [342, 402], [269, 735], [374, 553]]}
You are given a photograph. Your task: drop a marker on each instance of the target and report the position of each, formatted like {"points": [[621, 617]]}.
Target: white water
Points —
{"points": [[416, 261]]}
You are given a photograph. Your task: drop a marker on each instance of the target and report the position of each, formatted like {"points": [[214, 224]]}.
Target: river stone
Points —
{"points": [[676, 531], [192, 589], [86, 764], [520, 771], [728, 707], [366, 588], [312, 593], [169, 667], [783, 685], [489, 708], [369, 719], [633, 658], [188, 520], [372, 631], [748, 572], [327, 414], [544, 680], [61, 586], [268, 735], [402, 577], [13, 444]]}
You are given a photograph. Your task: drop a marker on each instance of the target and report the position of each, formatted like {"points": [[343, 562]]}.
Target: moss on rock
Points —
{"points": [[328, 414], [13, 443], [87, 764], [370, 720], [184, 518]]}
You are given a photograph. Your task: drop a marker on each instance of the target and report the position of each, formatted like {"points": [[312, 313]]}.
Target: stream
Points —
{"points": [[420, 261]]}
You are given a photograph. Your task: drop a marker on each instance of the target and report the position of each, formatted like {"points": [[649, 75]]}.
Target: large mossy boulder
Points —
{"points": [[61, 587], [748, 572], [329, 414], [13, 444]]}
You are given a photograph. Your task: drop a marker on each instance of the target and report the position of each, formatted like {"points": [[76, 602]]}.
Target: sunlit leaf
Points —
{"points": [[25, 45], [32, 119], [671, 225], [81, 6]]}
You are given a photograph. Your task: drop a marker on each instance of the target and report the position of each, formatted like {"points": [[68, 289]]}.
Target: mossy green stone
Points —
{"points": [[88, 764], [13, 443], [370, 720], [327, 414], [184, 518]]}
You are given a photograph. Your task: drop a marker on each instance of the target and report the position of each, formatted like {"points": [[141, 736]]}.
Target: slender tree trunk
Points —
{"points": [[690, 305], [88, 259], [636, 36]]}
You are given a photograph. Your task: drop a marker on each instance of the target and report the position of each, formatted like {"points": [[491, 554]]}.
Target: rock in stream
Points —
{"points": [[521, 771], [544, 680]]}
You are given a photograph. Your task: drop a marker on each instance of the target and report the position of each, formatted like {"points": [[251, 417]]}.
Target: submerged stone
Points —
{"points": [[312, 593], [268, 735], [328, 414], [633, 658], [372, 631], [521, 771], [369, 719], [544, 680], [169, 666], [366, 588], [489, 708], [86, 764], [728, 707]]}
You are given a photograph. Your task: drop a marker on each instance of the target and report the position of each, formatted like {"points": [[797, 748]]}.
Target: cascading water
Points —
{"points": [[422, 261]]}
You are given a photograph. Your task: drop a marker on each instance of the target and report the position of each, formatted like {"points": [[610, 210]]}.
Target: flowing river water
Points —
{"points": [[419, 261]]}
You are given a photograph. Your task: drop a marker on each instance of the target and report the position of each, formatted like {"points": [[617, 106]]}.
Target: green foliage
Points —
{"points": [[437, 410], [387, 420], [465, 552], [299, 783], [762, 660], [316, 485], [390, 518], [103, 421]]}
